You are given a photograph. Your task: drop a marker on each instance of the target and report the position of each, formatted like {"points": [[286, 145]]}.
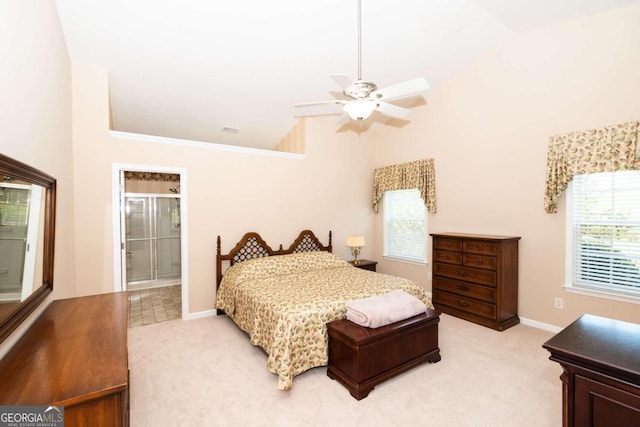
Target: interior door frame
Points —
{"points": [[117, 202]]}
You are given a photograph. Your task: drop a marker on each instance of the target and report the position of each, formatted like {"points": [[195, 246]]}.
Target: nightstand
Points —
{"points": [[365, 264]]}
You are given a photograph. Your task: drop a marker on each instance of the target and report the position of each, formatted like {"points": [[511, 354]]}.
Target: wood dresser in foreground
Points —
{"points": [[601, 379], [74, 355], [475, 277]]}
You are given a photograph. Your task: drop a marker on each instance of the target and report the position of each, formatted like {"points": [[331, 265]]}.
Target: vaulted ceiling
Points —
{"points": [[188, 69]]}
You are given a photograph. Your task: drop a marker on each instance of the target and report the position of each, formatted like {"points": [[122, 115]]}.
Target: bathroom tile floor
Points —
{"points": [[155, 305]]}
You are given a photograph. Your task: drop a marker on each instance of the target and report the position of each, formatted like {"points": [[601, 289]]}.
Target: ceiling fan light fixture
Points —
{"points": [[360, 109]]}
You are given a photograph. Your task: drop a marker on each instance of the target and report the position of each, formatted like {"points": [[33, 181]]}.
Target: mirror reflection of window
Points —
{"points": [[19, 230], [14, 215], [14, 204]]}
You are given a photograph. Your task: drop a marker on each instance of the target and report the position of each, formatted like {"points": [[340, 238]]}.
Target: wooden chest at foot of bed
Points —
{"points": [[360, 357]]}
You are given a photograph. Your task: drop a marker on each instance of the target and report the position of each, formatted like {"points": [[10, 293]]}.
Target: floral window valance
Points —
{"points": [[151, 176], [420, 174], [610, 149]]}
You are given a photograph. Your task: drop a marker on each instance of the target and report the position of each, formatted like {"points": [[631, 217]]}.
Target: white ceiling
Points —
{"points": [[188, 68]]}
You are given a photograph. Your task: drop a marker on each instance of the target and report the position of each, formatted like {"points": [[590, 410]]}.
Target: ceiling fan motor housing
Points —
{"points": [[360, 89]]}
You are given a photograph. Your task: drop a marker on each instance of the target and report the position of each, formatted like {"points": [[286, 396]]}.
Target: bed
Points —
{"points": [[284, 298]]}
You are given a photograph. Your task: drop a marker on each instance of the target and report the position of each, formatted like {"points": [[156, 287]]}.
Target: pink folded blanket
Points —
{"points": [[381, 310]]}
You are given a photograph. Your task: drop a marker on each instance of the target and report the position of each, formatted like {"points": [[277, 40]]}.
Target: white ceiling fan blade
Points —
{"points": [[401, 90], [315, 104], [342, 79], [393, 110], [344, 119], [338, 95]]}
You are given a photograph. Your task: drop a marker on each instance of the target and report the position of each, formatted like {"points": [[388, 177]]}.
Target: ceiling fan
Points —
{"points": [[364, 97]]}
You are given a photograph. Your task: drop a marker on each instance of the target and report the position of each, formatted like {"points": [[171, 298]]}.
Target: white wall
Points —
{"points": [[488, 128], [229, 193]]}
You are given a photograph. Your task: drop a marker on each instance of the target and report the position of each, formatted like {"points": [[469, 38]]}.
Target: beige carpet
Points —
{"points": [[206, 373]]}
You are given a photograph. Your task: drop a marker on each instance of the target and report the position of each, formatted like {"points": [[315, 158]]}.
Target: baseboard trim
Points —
{"points": [[523, 320], [540, 325], [199, 315]]}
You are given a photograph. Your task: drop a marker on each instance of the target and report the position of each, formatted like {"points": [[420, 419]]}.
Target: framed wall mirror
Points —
{"points": [[27, 239]]}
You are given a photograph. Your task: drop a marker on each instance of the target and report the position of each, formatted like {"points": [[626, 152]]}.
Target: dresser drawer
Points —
{"points": [[448, 257], [466, 289], [476, 275], [480, 261], [447, 244], [466, 304], [480, 247]]}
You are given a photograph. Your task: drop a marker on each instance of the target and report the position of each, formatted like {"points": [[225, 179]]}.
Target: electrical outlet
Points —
{"points": [[558, 303], [429, 276]]}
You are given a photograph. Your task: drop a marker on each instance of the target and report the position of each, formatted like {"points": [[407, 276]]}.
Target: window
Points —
{"points": [[405, 226], [603, 230]]}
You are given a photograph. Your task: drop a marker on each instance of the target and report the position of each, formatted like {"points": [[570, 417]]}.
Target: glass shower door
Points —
{"points": [[139, 242], [152, 231]]}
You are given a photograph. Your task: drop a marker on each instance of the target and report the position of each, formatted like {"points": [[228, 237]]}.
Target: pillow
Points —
{"points": [[278, 265]]}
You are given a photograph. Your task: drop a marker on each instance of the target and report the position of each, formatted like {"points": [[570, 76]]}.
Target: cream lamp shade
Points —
{"points": [[355, 243]]}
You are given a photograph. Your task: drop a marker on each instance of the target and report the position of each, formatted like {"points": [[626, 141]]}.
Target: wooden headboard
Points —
{"points": [[253, 246]]}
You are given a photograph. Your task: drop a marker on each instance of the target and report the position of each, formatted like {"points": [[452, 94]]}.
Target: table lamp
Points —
{"points": [[355, 243]]}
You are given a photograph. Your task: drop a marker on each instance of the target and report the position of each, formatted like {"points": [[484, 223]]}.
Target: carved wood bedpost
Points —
{"points": [[330, 246], [218, 265]]}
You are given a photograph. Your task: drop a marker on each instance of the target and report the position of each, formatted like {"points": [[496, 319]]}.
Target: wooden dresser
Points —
{"points": [[601, 379], [475, 277], [74, 355]]}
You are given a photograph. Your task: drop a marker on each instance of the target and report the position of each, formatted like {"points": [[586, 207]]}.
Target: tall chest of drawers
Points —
{"points": [[475, 277]]}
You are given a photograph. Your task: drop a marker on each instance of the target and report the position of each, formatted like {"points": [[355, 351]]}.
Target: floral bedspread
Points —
{"points": [[284, 303]]}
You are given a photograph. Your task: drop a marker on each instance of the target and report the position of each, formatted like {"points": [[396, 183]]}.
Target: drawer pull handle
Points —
{"points": [[447, 257], [479, 262], [463, 288], [461, 273], [463, 303]]}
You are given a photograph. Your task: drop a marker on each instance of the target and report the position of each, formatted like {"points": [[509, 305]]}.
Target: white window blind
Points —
{"points": [[405, 225], [605, 223]]}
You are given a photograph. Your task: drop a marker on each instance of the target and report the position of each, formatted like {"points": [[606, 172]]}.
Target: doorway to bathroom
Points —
{"points": [[151, 230], [149, 241]]}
